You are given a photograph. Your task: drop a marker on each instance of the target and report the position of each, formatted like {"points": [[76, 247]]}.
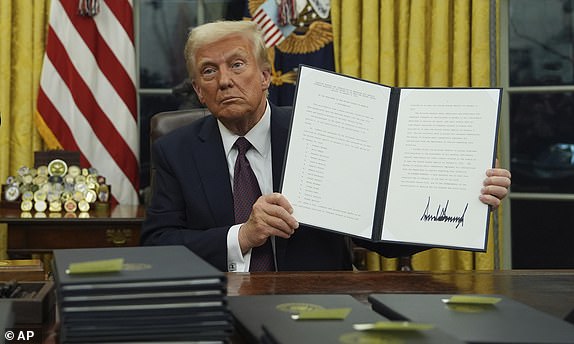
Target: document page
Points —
{"points": [[444, 143], [333, 159]]}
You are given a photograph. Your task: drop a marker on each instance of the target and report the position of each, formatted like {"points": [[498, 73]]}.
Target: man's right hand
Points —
{"points": [[271, 216]]}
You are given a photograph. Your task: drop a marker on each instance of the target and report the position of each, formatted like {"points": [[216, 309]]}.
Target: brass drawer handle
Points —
{"points": [[118, 237]]}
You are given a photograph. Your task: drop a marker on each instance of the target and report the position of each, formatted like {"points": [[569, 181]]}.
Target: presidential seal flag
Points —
{"points": [[267, 18], [296, 32], [87, 95]]}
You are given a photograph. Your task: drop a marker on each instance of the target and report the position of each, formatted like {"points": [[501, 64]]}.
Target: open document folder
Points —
{"points": [[391, 164]]}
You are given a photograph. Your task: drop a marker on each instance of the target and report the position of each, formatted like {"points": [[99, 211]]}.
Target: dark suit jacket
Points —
{"points": [[192, 201]]}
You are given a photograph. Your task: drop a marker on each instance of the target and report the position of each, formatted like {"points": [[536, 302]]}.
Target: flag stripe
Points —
{"points": [[88, 106], [120, 42], [107, 61], [271, 32], [94, 152], [258, 15], [87, 96], [122, 10], [275, 39], [53, 119], [84, 62]]}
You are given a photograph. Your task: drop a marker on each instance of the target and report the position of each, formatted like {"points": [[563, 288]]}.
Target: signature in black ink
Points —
{"points": [[441, 215]]}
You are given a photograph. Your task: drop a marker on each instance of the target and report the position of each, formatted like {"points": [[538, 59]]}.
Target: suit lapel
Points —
{"points": [[213, 171]]}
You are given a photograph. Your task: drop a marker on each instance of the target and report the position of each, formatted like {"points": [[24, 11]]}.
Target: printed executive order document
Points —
{"points": [[391, 164]]}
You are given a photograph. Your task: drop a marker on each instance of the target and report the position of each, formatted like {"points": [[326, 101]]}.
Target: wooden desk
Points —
{"points": [[551, 291], [119, 226]]}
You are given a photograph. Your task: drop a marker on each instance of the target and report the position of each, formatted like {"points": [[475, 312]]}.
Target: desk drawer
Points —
{"points": [[46, 238]]}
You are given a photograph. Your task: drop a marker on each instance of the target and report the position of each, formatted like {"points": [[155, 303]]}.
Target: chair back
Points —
{"points": [[163, 122]]}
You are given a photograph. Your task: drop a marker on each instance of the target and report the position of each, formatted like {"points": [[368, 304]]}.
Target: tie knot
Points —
{"points": [[242, 145]]}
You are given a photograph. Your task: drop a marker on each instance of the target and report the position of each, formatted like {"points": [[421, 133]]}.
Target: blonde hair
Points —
{"points": [[214, 31]]}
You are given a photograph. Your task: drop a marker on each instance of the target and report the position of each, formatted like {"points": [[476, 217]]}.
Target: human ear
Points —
{"points": [[265, 79], [197, 90]]}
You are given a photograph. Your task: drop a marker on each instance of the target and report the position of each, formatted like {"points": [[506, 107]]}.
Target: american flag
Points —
{"points": [[87, 95], [267, 18]]}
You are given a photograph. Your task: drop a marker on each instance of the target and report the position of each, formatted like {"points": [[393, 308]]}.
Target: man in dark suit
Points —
{"points": [[193, 201]]}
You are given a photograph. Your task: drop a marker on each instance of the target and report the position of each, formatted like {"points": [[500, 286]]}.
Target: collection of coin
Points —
{"points": [[56, 187]]}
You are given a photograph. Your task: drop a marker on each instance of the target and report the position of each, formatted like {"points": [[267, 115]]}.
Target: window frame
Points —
{"points": [[504, 81]]}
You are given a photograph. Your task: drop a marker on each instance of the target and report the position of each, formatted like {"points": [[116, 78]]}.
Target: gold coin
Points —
{"points": [[80, 179], [74, 171], [92, 178], [55, 206], [26, 205], [69, 179], [27, 179], [83, 205], [66, 195], [46, 187], [27, 196], [57, 167], [53, 196], [12, 193], [42, 171], [40, 180], [40, 196], [70, 206], [82, 187], [78, 196], [24, 170], [26, 215], [91, 196], [40, 206]]}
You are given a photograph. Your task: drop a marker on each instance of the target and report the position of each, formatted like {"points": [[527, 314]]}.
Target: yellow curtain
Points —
{"points": [[417, 43], [23, 25]]}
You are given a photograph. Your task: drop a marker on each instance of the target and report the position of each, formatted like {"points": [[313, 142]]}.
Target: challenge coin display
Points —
{"points": [[56, 187]]}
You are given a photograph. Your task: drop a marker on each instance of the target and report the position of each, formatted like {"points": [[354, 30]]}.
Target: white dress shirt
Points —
{"points": [[259, 157]]}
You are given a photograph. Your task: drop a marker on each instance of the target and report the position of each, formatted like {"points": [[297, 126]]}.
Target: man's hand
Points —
{"points": [[270, 216], [496, 186]]}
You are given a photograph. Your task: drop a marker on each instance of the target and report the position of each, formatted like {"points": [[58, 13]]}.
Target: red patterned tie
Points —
{"points": [[245, 193]]}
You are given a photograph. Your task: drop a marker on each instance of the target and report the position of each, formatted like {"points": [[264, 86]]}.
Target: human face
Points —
{"points": [[229, 81]]}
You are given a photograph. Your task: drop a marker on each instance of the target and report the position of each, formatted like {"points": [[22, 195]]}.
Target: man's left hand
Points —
{"points": [[496, 186]]}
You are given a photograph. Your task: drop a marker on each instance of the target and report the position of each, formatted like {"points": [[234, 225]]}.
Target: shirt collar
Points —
{"points": [[259, 136]]}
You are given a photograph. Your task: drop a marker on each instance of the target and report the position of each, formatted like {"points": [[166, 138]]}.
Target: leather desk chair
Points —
{"points": [[163, 122]]}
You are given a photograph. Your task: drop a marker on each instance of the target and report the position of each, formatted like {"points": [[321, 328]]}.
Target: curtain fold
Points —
{"points": [[417, 43], [24, 24]]}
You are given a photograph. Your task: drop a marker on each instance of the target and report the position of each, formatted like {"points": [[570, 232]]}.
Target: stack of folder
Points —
{"points": [[6, 316], [153, 294]]}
